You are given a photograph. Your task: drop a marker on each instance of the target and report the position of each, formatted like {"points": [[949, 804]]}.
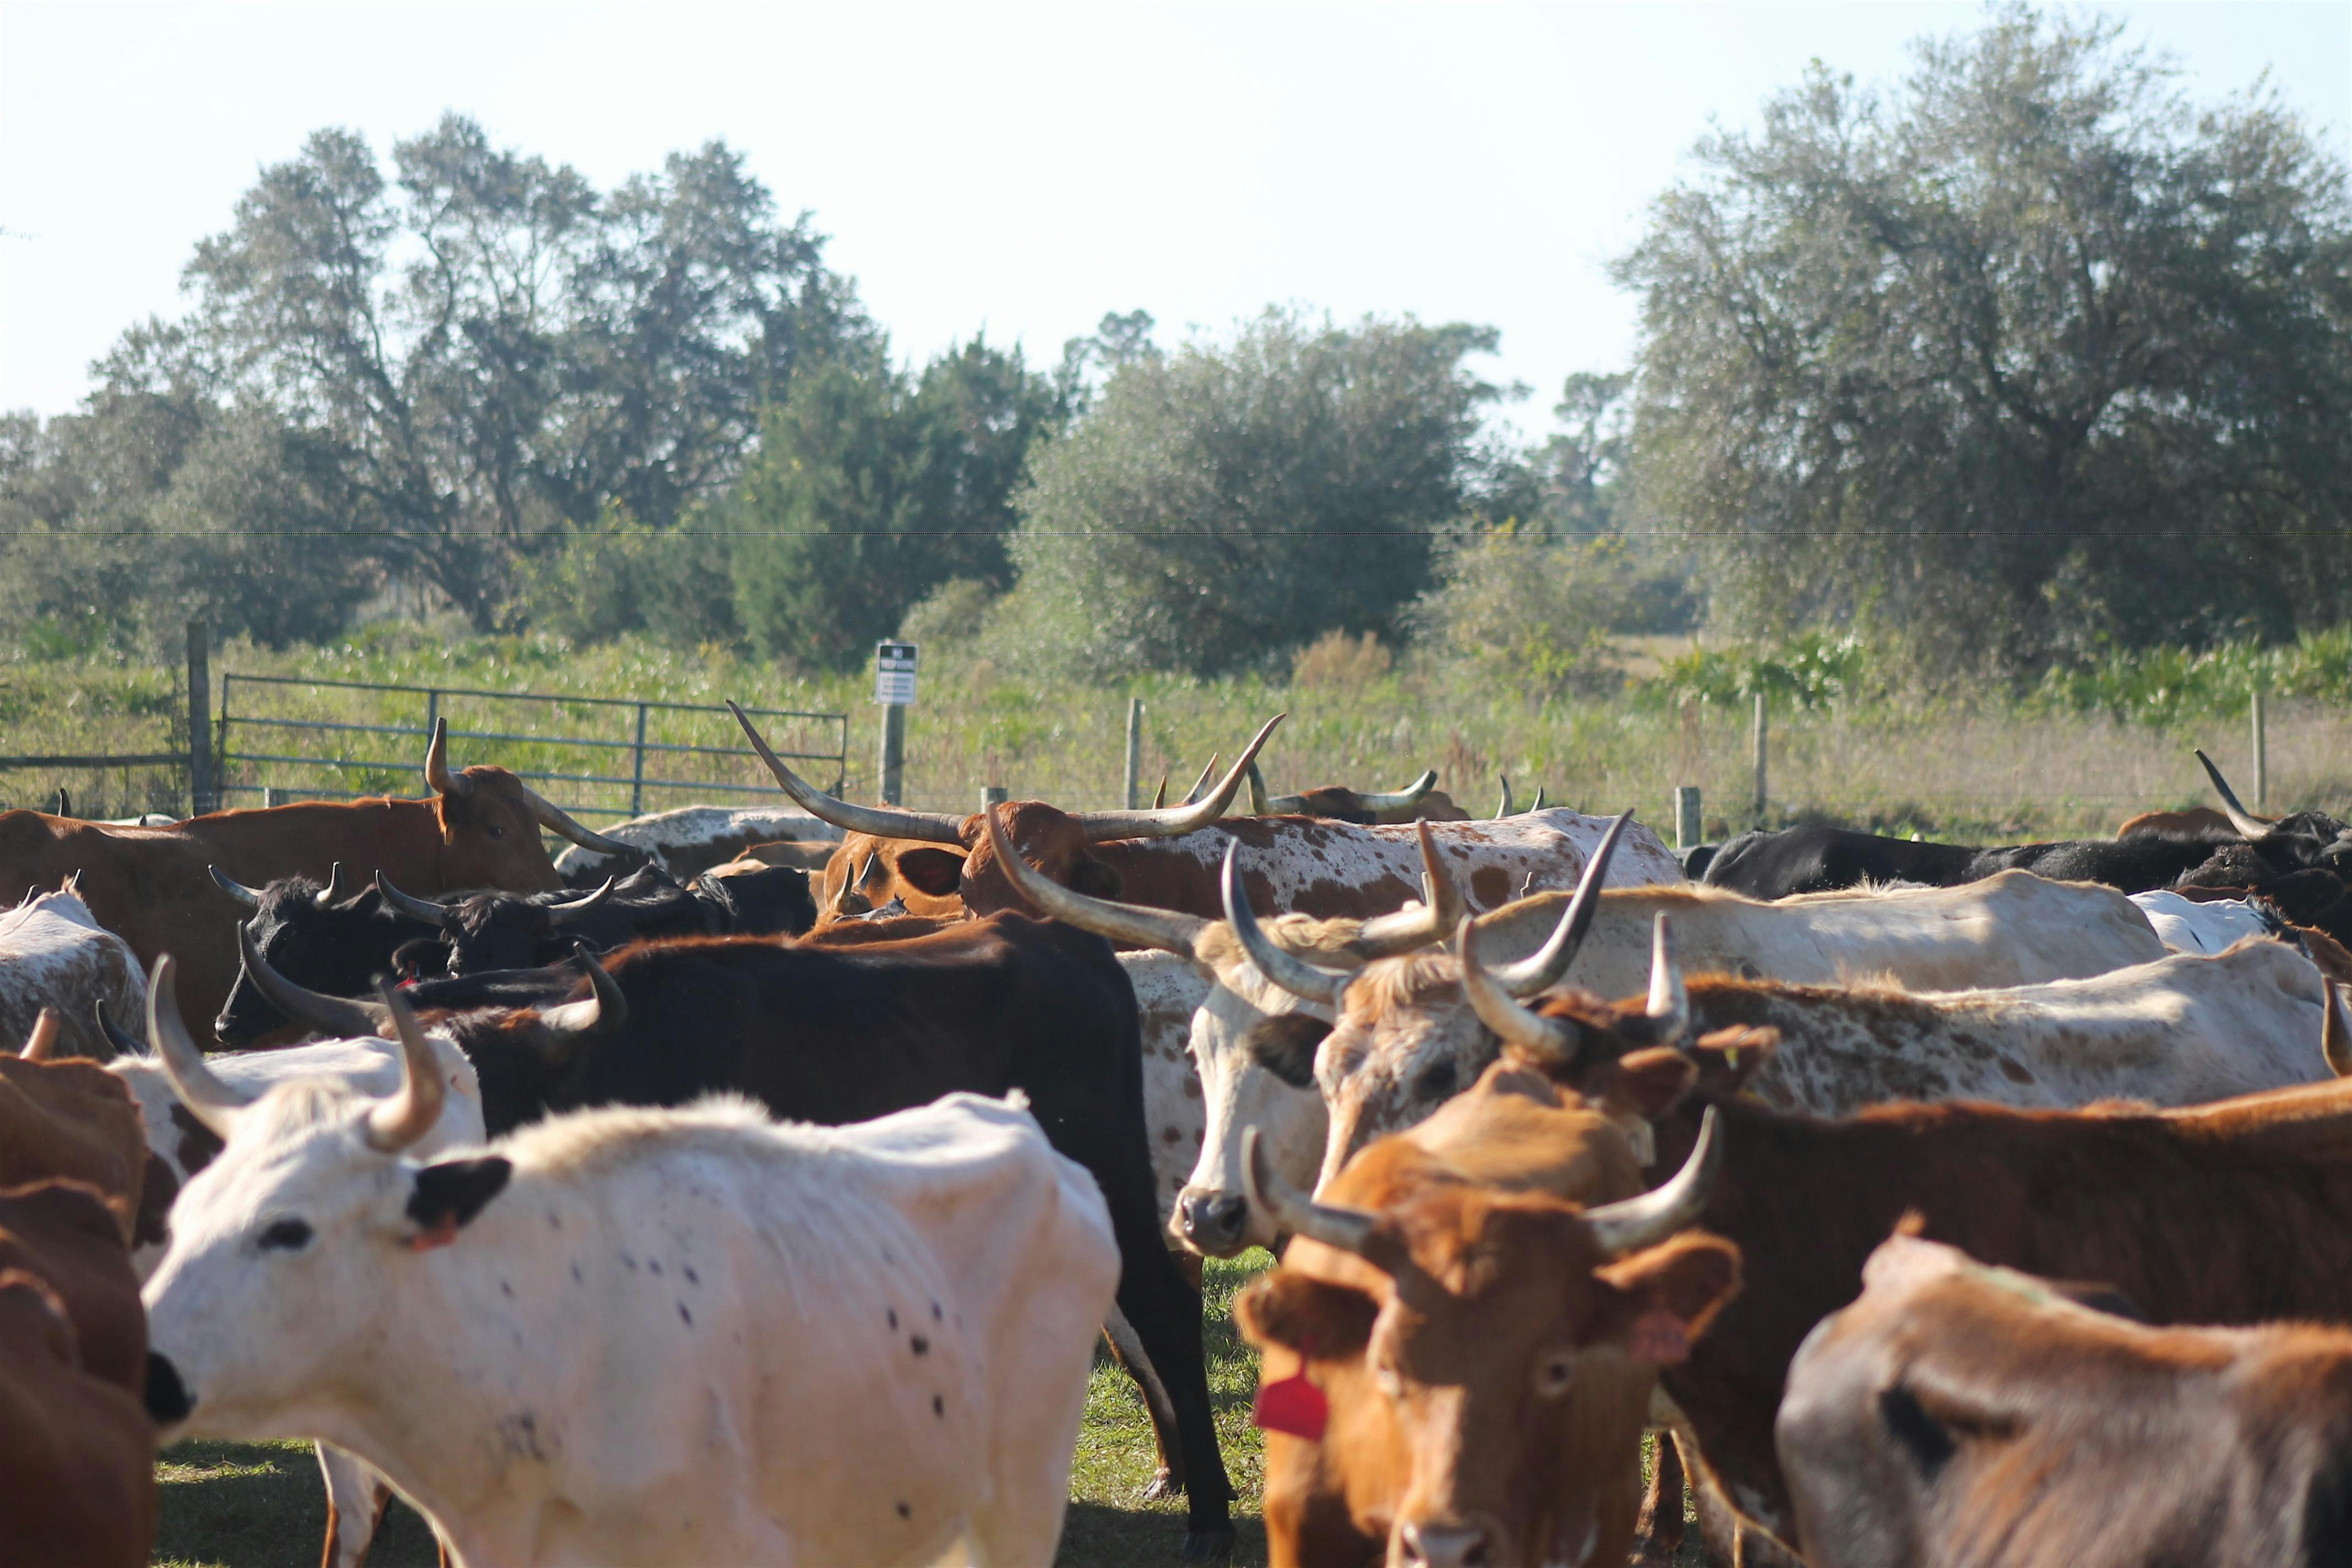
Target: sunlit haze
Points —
{"points": [[1019, 170]]}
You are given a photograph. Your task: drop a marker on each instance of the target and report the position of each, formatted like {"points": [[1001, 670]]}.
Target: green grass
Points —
{"points": [[1959, 767], [262, 1505]]}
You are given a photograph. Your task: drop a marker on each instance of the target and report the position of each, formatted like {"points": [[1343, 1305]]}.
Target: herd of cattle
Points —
{"points": [[754, 1186]]}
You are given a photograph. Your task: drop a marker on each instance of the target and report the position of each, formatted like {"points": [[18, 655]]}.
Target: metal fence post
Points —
{"points": [[2262, 757], [993, 795], [637, 780], [893, 760], [1687, 830], [1134, 752], [1763, 735], [431, 711], [201, 795]]}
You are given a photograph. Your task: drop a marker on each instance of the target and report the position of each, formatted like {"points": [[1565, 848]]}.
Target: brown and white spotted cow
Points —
{"points": [[54, 954]]}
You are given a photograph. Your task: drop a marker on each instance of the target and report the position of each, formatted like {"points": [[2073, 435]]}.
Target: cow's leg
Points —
{"points": [[1127, 1351], [1658, 1532], [1165, 1311], [356, 1499]]}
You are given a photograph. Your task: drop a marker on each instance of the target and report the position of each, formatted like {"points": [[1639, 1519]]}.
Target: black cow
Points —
{"points": [[1813, 859], [494, 931], [317, 936], [841, 1035]]}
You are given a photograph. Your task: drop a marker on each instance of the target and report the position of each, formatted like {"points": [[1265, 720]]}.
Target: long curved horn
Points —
{"points": [[553, 817], [393, 1124], [1201, 785], [426, 909], [1541, 969], [1403, 799], [332, 893], [233, 888], [1349, 1230], [564, 914], [456, 786], [1669, 1007], [1502, 807], [1099, 826], [2244, 821], [1537, 804], [878, 821], [1551, 1039], [337, 1017], [1629, 1225], [208, 1099], [123, 1042], [1384, 936], [1264, 804], [603, 1011], [41, 1044], [1166, 929], [1291, 973]]}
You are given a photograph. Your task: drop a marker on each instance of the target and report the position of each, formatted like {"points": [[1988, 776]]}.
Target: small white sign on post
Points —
{"points": [[894, 673]]}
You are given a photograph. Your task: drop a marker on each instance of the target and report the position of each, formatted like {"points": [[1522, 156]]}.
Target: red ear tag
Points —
{"points": [[1293, 1404], [441, 1235], [1657, 1337]]}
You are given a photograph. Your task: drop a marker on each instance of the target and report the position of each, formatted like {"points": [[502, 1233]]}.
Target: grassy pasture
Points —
{"points": [[1988, 769]]}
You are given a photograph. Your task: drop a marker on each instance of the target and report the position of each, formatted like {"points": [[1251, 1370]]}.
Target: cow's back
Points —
{"points": [[77, 1464], [55, 954], [72, 1119], [66, 1235]]}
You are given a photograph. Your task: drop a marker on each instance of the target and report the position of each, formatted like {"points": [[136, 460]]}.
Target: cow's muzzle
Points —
{"points": [[1457, 1545], [168, 1399], [1211, 1223]]}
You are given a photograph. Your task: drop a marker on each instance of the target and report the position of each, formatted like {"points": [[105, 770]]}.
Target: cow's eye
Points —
{"points": [[1554, 1373], [286, 1235], [1386, 1380], [1438, 1081], [494, 830]]}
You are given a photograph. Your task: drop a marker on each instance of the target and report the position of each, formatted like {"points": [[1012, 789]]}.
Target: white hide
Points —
{"points": [[1168, 989], [369, 1066], [690, 827], [54, 953], [2185, 925], [675, 1337]]}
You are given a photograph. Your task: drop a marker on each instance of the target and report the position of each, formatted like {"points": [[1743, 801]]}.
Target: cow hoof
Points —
{"points": [[1163, 1485], [1209, 1545]]}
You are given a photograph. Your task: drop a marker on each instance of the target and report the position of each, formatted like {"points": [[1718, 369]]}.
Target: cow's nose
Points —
{"points": [[1212, 1222], [1446, 1546], [168, 1399]]}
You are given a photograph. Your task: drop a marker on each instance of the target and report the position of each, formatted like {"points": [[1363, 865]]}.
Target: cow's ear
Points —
{"points": [[1728, 1058], [450, 1193], [1648, 1084], [1655, 1302], [1284, 1046], [1095, 880], [939, 872], [1294, 1311]]}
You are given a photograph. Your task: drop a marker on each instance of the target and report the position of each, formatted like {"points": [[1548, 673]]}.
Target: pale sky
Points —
{"points": [[1017, 169]]}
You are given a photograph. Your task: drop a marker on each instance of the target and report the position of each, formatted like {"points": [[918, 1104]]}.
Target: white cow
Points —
{"points": [[355, 1494], [709, 833], [650, 1337], [54, 953], [2186, 925]]}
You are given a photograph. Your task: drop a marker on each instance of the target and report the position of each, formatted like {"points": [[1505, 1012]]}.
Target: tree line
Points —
{"points": [[2019, 361]]}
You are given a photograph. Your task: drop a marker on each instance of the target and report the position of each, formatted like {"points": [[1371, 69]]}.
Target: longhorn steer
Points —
{"points": [[152, 886], [1169, 858], [686, 842], [318, 934], [1419, 801], [70, 1119], [54, 954], [1958, 1414], [1487, 1352], [839, 1035], [890, 1323], [508, 931]]}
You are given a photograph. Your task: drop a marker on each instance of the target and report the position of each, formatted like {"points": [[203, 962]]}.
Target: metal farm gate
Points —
{"points": [[274, 745]]}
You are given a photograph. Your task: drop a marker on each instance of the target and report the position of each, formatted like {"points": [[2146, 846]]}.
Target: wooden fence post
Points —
{"points": [[1134, 752], [1763, 734], [993, 795], [1687, 830], [893, 761], [203, 788], [2262, 757]]}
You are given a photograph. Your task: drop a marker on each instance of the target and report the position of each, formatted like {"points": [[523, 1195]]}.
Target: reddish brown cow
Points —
{"points": [[1170, 858], [2196, 820], [1958, 1414], [2182, 1211], [77, 1451], [65, 1234], [1485, 1351], [153, 887], [74, 1119], [864, 872]]}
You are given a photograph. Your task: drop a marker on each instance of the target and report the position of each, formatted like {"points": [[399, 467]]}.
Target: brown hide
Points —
{"points": [[65, 1235], [77, 1453], [72, 1119]]}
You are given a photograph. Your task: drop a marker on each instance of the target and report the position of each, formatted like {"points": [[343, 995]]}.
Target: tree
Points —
{"points": [[2023, 357], [1223, 504], [869, 491]]}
